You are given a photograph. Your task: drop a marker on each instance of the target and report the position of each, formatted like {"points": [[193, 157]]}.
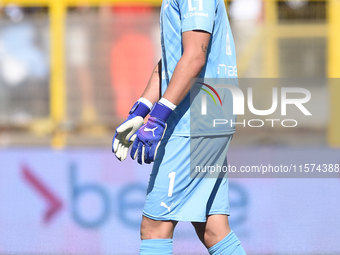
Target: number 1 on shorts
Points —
{"points": [[172, 181]]}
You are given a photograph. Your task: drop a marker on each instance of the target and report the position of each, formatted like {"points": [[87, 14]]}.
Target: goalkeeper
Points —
{"points": [[196, 41]]}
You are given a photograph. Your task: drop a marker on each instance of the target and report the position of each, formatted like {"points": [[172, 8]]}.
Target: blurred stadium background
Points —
{"points": [[71, 69]]}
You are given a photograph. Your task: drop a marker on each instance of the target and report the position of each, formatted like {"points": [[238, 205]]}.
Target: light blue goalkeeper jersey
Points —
{"points": [[178, 16]]}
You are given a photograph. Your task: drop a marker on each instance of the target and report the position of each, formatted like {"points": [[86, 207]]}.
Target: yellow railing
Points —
{"points": [[331, 30], [58, 9], [334, 71], [57, 14], [81, 2]]}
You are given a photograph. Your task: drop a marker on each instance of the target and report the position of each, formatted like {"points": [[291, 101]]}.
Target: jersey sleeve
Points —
{"points": [[197, 14]]}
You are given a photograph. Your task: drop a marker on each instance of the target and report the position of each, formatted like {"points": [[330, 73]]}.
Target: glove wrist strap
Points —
{"points": [[161, 112], [140, 109]]}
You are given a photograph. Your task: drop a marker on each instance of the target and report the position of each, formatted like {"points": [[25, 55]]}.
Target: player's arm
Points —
{"points": [[152, 91], [123, 137], [195, 46], [149, 136]]}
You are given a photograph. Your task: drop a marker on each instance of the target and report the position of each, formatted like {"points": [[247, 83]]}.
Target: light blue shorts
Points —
{"points": [[173, 195]]}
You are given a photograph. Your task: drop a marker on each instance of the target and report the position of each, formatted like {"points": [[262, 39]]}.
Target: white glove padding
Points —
{"points": [[125, 136]]}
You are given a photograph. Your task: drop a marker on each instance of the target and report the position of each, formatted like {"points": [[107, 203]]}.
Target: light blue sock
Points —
{"points": [[230, 245], [156, 247]]}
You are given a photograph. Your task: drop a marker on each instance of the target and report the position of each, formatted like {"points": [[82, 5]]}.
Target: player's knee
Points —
{"points": [[216, 229], [151, 229], [211, 236], [147, 231], [154, 233]]}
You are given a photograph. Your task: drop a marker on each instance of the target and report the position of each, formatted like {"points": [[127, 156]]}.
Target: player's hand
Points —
{"points": [[150, 135], [148, 139], [125, 133], [123, 137]]}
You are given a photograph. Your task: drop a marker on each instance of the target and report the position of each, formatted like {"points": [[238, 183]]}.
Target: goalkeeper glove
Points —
{"points": [[124, 135], [149, 136]]}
